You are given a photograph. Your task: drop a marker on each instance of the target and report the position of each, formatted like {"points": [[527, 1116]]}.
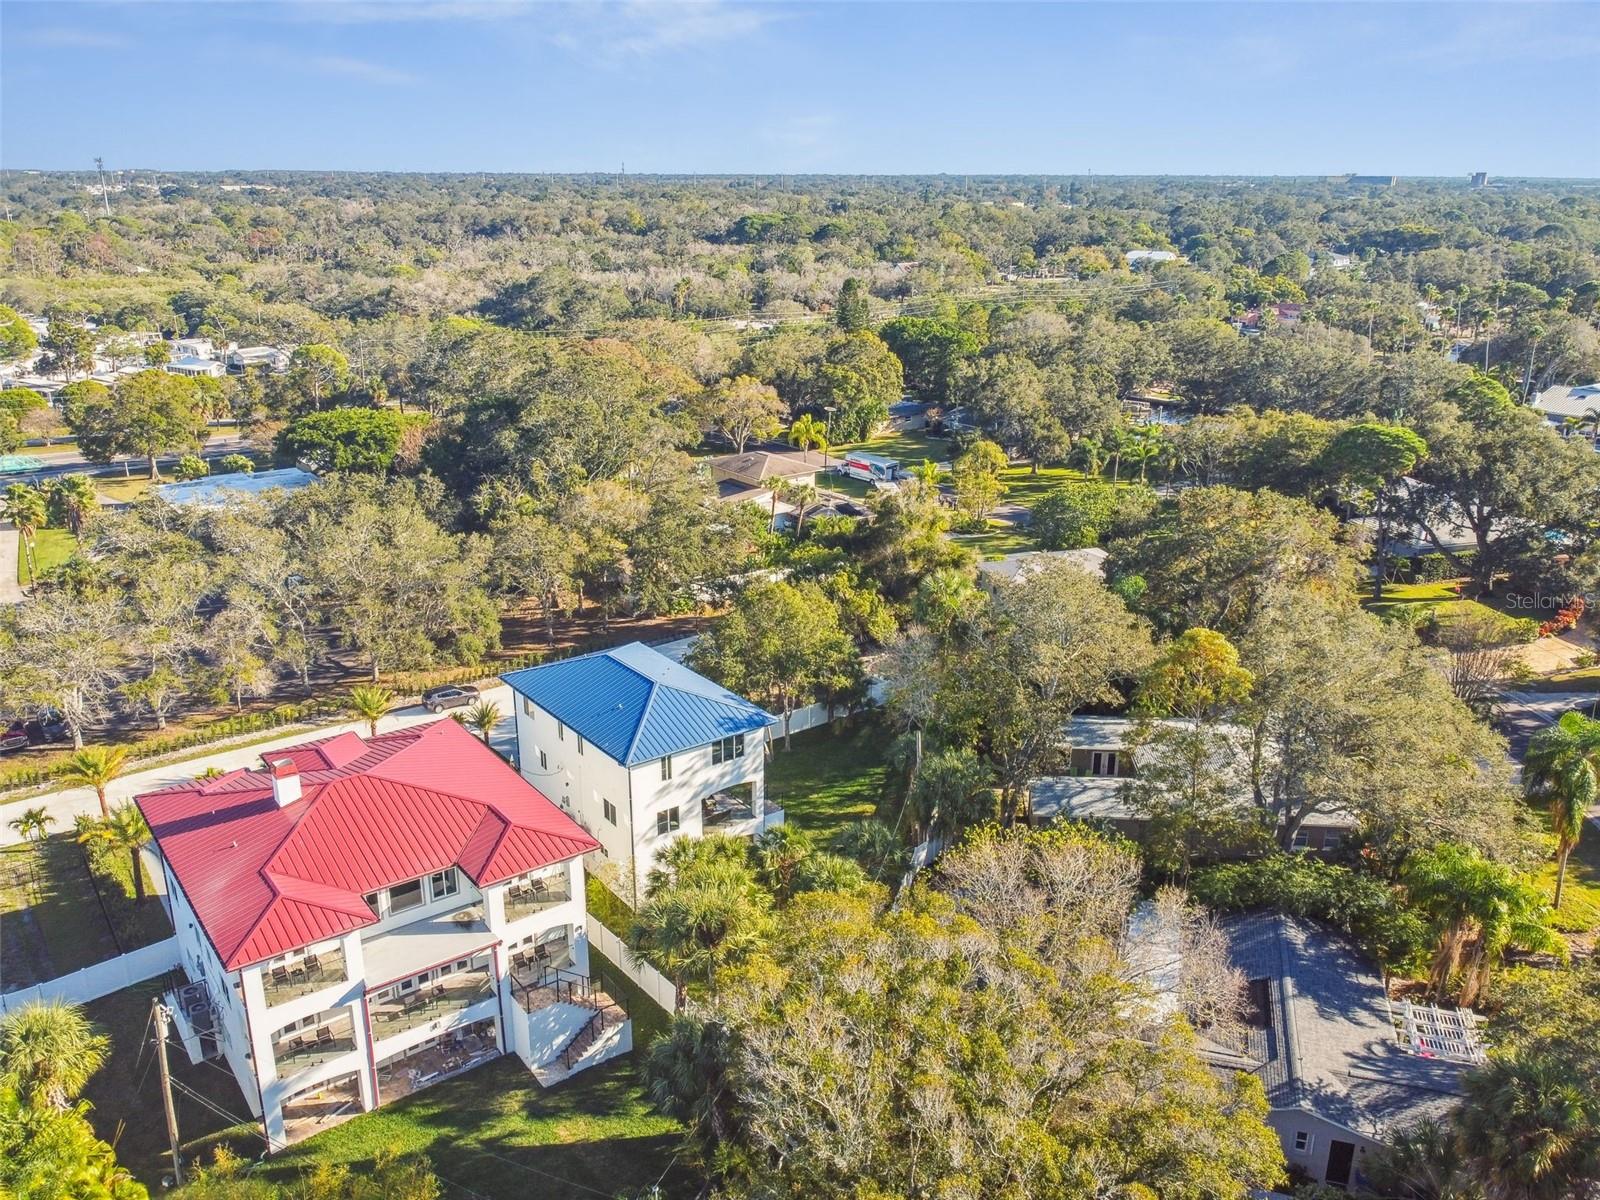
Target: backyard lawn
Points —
{"points": [[54, 920], [120, 489], [997, 541], [828, 779], [910, 448], [493, 1131], [51, 548]]}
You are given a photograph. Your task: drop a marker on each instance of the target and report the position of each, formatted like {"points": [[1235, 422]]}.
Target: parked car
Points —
{"points": [[41, 730], [15, 737], [451, 696]]}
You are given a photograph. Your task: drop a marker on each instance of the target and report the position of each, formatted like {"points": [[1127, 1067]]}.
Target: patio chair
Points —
{"points": [[313, 964], [280, 976]]}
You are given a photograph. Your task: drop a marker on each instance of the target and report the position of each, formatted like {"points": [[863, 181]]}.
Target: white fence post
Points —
{"points": [[101, 978]]}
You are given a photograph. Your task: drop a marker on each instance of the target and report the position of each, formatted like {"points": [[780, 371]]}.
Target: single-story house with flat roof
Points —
{"points": [[1018, 568], [214, 491], [1102, 761]]}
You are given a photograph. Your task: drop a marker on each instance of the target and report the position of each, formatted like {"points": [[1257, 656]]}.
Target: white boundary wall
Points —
{"points": [[649, 980], [102, 978]]}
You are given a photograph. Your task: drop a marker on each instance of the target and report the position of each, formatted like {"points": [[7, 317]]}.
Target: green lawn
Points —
{"points": [[828, 779], [53, 920], [1444, 596], [1580, 896], [910, 448], [997, 541], [495, 1132], [1027, 489], [51, 548], [122, 489]]}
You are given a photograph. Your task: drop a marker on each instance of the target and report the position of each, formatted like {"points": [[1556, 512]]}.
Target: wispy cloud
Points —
{"points": [[346, 67], [615, 33], [74, 39], [367, 12]]}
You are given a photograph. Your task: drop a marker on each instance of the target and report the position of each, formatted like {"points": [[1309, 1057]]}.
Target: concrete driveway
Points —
{"points": [[64, 805], [10, 545], [1523, 714]]}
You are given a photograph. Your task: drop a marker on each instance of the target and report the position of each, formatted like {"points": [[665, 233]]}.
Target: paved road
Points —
{"points": [[64, 805], [1523, 714], [69, 462]]}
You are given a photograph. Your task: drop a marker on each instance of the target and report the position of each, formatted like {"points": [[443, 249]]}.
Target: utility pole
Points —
{"points": [[161, 1017], [105, 196]]}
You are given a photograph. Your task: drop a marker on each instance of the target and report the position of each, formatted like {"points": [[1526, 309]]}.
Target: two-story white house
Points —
{"points": [[642, 750], [360, 918]]}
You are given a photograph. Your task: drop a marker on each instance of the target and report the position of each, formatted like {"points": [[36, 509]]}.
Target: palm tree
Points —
{"points": [[803, 496], [482, 717], [807, 432], [704, 911], [32, 825], [1530, 1131], [48, 1051], [369, 703], [24, 507], [97, 766], [1563, 764], [123, 832], [72, 498]]}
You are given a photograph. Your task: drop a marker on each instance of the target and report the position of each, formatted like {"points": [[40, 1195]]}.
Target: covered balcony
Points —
{"points": [[536, 894], [321, 1107], [412, 949], [301, 974], [733, 810], [400, 1008], [318, 1040], [437, 1059]]}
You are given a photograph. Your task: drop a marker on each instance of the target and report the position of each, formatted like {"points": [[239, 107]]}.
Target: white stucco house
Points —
{"points": [[361, 918], [641, 750]]}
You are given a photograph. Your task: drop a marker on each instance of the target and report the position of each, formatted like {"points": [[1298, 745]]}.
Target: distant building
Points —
{"points": [[1369, 180], [256, 358], [216, 491], [751, 477], [1574, 411], [1480, 179], [196, 368], [1134, 257], [1019, 568]]}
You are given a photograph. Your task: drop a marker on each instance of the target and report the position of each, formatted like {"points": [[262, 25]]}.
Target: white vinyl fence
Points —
{"points": [[649, 980], [102, 978]]}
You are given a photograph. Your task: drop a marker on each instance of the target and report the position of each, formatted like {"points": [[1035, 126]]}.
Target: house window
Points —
{"points": [[728, 749], [443, 883], [1330, 841], [1103, 762], [580, 743], [610, 810], [1301, 841], [527, 707], [1303, 1141], [405, 895], [544, 763], [561, 732], [666, 767], [667, 821]]}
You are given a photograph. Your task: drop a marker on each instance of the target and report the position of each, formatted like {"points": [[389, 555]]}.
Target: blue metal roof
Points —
{"points": [[636, 704]]}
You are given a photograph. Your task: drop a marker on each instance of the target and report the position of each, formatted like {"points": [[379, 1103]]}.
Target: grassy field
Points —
{"points": [[54, 921], [1580, 896], [828, 779], [51, 548], [1027, 489], [910, 448], [1444, 596], [120, 489], [997, 541]]}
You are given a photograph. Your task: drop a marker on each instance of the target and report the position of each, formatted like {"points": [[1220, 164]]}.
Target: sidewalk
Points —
{"points": [[10, 546], [64, 805]]}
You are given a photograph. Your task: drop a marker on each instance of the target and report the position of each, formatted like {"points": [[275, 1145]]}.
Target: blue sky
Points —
{"points": [[723, 86]]}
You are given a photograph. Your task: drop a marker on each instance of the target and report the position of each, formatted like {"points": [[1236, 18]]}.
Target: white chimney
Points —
{"points": [[285, 781]]}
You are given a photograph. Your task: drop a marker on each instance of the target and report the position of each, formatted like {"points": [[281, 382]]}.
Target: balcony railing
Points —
{"points": [[312, 1047], [430, 1002], [536, 898], [311, 973]]}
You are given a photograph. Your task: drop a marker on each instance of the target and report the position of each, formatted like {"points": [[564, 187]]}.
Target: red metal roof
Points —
{"points": [[264, 880]]}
